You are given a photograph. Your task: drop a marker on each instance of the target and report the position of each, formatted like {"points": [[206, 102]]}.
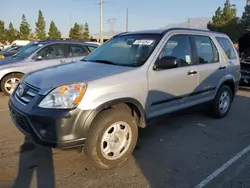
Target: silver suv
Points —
{"points": [[37, 55], [101, 101]]}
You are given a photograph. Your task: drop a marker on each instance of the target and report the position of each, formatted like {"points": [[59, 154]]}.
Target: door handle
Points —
{"points": [[222, 67], [191, 72]]}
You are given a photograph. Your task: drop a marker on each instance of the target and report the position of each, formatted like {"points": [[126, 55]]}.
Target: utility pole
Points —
{"points": [[127, 20], [189, 22], [101, 37]]}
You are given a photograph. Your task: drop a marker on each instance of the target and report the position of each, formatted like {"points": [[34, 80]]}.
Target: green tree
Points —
{"points": [[24, 28], [40, 26], [11, 33], [226, 21], [75, 32], [54, 32], [32, 36], [2, 32], [245, 18], [86, 31]]}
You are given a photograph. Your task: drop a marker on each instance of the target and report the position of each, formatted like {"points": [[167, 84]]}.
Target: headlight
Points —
{"points": [[64, 97]]}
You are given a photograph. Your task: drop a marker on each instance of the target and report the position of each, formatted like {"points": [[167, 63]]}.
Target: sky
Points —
{"points": [[143, 14]]}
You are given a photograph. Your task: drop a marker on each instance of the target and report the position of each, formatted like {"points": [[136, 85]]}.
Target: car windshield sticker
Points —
{"points": [[143, 42], [188, 59]]}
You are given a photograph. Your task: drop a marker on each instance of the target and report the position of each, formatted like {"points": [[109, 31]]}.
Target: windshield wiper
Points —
{"points": [[103, 61]]}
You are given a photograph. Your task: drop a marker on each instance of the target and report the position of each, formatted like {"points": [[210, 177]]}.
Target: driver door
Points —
{"points": [[50, 55], [172, 89]]}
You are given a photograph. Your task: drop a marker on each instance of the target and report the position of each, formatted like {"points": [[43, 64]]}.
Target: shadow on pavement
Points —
{"points": [[180, 151], [35, 160]]}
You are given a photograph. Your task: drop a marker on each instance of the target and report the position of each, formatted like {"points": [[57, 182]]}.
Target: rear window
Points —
{"points": [[227, 47]]}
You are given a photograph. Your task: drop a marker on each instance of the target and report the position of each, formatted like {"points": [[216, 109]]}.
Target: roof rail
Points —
{"points": [[120, 34]]}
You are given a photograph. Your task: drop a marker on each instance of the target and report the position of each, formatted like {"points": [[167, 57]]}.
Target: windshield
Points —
{"points": [[128, 50], [27, 50]]}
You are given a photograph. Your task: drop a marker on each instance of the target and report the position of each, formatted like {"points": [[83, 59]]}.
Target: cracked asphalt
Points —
{"points": [[173, 152]]}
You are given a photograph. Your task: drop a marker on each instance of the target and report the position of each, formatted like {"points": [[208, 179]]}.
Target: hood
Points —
{"points": [[80, 71], [8, 61]]}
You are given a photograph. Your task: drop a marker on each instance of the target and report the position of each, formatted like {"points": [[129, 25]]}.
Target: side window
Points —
{"points": [[227, 47], [76, 50], [207, 52], [52, 51], [91, 48], [178, 46]]}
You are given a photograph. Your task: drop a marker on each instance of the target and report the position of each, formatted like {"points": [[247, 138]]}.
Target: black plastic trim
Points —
{"points": [[111, 103], [183, 96]]}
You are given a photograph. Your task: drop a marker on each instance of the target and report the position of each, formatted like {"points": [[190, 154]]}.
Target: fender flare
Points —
{"points": [[92, 115]]}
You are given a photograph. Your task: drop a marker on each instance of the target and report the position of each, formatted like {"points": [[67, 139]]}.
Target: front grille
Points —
{"points": [[25, 93], [20, 120]]}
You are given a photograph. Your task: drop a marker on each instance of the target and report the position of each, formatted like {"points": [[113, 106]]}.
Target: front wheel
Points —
{"points": [[112, 138], [9, 83], [222, 102]]}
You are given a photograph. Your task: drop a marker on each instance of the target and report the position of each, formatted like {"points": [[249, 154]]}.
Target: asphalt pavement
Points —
{"points": [[188, 150]]}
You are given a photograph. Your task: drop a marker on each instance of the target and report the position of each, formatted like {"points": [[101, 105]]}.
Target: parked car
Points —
{"points": [[10, 51], [17, 43], [244, 53], [37, 55], [101, 101]]}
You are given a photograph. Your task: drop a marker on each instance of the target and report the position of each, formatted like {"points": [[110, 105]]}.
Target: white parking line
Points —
{"points": [[222, 168], [4, 109]]}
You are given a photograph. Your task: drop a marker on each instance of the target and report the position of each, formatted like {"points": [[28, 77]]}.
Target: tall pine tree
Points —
{"points": [[86, 31], [40, 26], [226, 21], [75, 32], [2, 32], [11, 33], [245, 18], [54, 32], [24, 29]]}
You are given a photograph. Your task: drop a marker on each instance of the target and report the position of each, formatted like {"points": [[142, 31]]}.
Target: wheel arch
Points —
{"points": [[231, 84], [9, 73], [135, 107]]}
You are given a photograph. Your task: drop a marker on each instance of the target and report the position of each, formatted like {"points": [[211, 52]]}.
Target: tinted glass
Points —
{"points": [[76, 50], [128, 50], [227, 47], [178, 46], [207, 52], [52, 51], [28, 50], [91, 48]]}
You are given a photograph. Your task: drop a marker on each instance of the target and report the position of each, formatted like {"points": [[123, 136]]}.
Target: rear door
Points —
{"points": [[210, 66], [76, 52]]}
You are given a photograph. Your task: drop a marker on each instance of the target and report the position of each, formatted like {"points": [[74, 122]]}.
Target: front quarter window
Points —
{"points": [[127, 50]]}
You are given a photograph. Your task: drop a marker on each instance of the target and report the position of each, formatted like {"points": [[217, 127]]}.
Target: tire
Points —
{"points": [[220, 112], [6, 79], [95, 145]]}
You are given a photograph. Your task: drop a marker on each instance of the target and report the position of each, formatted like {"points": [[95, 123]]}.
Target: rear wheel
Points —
{"points": [[112, 138], [222, 102], [9, 83]]}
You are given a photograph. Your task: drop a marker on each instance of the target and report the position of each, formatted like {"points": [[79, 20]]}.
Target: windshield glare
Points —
{"points": [[128, 50], [27, 50]]}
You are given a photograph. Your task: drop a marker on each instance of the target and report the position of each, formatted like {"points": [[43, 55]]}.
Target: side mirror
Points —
{"points": [[37, 58], [166, 62]]}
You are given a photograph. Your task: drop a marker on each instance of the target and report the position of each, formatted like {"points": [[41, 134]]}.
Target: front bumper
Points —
{"points": [[50, 127]]}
